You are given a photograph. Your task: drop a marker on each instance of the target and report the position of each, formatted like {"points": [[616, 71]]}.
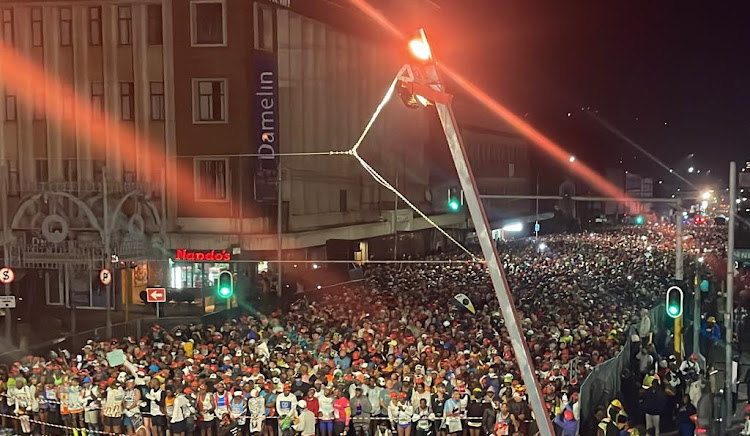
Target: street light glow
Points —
{"points": [[571, 159], [513, 227], [420, 48], [706, 195], [542, 246], [691, 169]]}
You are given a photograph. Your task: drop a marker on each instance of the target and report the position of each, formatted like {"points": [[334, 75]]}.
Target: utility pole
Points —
{"points": [[107, 254], [395, 221], [6, 251], [729, 312], [279, 235], [427, 84]]}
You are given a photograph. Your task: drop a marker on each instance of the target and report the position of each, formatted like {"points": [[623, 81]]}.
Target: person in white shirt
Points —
{"points": [[178, 424], [157, 408], [112, 409], [286, 405], [325, 410], [304, 423]]}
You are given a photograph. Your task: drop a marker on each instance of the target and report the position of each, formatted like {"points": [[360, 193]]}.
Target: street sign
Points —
{"points": [[537, 227], [156, 295], [105, 276], [7, 301], [7, 276]]}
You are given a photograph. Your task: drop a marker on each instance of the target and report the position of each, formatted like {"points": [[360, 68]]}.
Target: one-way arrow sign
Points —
{"points": [[156, 295]]}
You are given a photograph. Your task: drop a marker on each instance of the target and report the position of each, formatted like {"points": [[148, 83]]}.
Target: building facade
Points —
{"points": [[189, 121]]}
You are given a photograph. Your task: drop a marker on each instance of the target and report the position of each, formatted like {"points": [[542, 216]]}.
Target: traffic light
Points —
{"points": [[639, 220], [674, 302], [454, 200], [225, 287]]}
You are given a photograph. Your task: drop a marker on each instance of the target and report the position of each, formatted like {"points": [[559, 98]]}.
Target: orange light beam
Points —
{"points": [[598, 182], [19, 71], [547, 145]]}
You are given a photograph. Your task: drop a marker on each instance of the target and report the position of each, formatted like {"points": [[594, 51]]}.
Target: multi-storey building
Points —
{"points": [[180, 109]]}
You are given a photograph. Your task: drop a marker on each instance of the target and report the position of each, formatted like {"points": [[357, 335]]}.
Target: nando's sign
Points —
{"points": [[185, 254]]}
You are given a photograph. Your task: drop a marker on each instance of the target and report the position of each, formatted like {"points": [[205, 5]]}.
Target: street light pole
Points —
{"points": [[729, 311], [6, 240], [536, 220], [428, 86], [279, 234], [107, 254]]}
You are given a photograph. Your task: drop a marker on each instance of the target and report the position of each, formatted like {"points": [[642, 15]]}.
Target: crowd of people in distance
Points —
{"points": [[396, 353]]}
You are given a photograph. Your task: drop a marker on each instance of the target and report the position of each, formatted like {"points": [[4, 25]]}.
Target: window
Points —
{"points": [[95, 25], [10, 107], [7, 22], [157, 101], [39, 104], [154, 25], [66, 26], [70, 170], [212, 179], [263, 27], [342, 200], [97, 98], [68, 106], [37, 27], [124, 25], [42, 174], [127, 101], [209, 100], [207, 22]]}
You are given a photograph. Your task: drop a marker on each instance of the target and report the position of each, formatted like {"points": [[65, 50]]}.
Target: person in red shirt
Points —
{"points": [[312, 402], [341, 414]]}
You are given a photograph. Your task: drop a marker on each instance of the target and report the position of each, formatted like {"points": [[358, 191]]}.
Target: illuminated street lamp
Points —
{"points": [[571, 159], [691, 169], [706, 195]]}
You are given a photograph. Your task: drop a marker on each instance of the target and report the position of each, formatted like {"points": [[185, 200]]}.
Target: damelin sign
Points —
{"points": [[266, 126]]}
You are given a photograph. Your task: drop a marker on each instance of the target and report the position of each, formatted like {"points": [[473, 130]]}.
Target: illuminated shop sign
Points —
{"points": [[203, 256]]}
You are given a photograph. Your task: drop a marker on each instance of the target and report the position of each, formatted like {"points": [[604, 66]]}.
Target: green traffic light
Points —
{"points": [[639, 219], [225, 292], [453, 205], [673, 310]]}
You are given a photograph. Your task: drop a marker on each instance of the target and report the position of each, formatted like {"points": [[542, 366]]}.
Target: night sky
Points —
{"points": [[639, 64]]}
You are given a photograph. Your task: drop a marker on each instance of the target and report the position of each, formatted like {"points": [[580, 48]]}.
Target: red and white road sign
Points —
{"points": [[7, 276], [105, 276], [156, 295]]}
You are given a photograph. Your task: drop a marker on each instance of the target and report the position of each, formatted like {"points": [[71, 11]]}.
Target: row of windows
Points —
{"points": [[209, 102], [96, 93], [94, 29], [207, 19]]}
